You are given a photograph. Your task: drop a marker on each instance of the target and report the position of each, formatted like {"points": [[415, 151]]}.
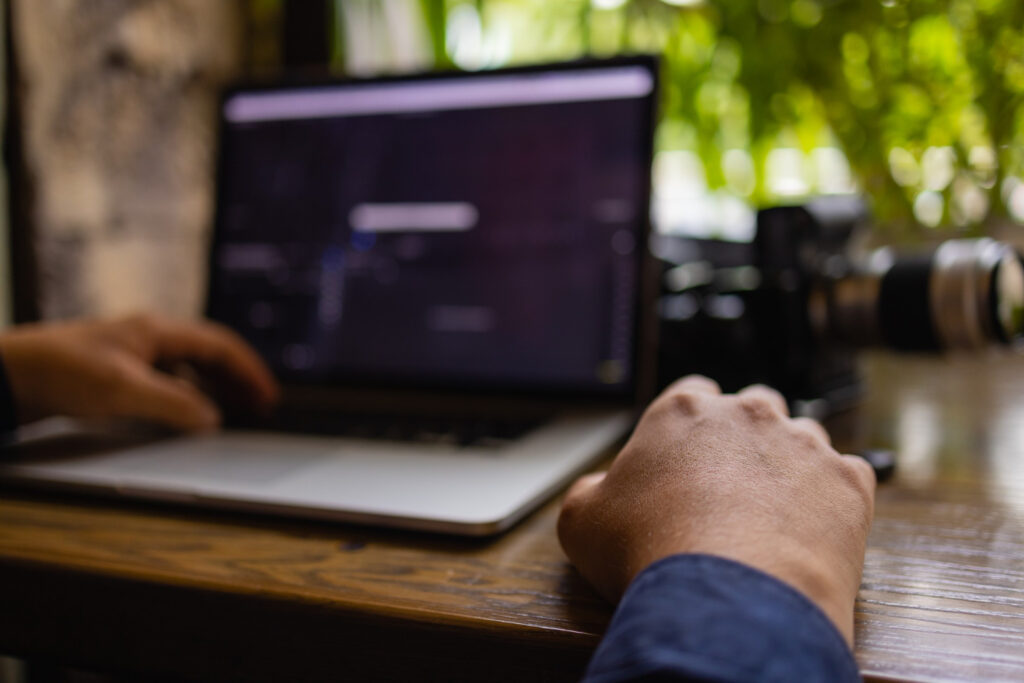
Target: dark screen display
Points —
{"points": [[462, 235]]}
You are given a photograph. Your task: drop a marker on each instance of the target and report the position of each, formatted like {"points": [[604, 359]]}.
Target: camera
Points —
{"points": [[792, 307]]}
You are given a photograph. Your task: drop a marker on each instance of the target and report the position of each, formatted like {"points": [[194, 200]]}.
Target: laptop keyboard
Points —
{"points": [[460, 432]]}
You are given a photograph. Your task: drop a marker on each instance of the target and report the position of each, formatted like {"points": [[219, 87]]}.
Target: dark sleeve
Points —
{"points": [[8, 414], [704, 618]]}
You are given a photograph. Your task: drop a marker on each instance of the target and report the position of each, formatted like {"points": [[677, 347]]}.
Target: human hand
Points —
{"points": [[732, 476], [108, 369]]}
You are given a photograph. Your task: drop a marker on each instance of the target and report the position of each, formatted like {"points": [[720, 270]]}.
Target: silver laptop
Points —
{"points": [[449, 275]]}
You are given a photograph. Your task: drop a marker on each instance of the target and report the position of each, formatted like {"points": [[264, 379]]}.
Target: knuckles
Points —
{"points": [[683, 403], [758, 409], [807, 440], [754, 408]]}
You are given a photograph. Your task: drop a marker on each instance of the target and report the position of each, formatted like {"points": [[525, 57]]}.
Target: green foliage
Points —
{"points": [[435, 17], [922, 96]]}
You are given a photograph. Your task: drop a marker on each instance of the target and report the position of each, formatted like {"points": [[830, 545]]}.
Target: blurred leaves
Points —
{"points": [[435, 18], [896, 84], [924, 98]]}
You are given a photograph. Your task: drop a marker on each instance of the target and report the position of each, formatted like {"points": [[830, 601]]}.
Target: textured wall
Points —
{"points": [[118, 101]]}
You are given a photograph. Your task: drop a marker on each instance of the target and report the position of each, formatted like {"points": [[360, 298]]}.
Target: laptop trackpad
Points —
{"points": [[197, 461]]}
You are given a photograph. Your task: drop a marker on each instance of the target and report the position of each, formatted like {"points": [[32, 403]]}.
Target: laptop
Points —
{"points": [[449, 274]]}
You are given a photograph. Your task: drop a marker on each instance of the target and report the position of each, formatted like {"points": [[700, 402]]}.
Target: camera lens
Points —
{"points": [[967, 294], [976, 293]]}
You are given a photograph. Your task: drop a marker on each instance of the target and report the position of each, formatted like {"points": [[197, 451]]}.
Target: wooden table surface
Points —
{"points": [[165, 592]]}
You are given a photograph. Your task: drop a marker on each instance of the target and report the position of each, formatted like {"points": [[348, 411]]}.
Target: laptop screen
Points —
{"points": [[471, 230]]}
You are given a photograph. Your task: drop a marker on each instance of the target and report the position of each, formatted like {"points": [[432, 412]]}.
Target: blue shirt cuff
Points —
{"points": [[699, 617]]}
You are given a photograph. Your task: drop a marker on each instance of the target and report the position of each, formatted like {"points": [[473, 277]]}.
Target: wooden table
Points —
{"points": [[164, 592]]}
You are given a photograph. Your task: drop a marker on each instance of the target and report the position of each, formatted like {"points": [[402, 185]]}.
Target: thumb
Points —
{"points": [[574, 509], [149, 394], [582, 487]]}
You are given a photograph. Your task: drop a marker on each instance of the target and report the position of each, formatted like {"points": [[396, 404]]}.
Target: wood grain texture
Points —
{"points": [[222, 589], [163, 592], [943, 591]]}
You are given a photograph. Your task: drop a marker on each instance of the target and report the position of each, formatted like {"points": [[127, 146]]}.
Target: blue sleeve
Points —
{"points": [[704, 618]]}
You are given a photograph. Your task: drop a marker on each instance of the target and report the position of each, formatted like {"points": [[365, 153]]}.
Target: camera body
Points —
{"points": [[792, 307]]}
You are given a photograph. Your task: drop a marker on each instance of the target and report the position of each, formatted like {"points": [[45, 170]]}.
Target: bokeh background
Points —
{"points": [[916, 104]]}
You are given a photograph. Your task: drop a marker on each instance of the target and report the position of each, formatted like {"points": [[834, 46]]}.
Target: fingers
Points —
{"points": [[761, 392], [149, 394], [814, 427], [694, 383], [768, 395], [217, 346]]}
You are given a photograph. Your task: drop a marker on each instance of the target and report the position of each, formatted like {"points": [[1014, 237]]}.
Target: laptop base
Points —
{"points": [[474, 491]]}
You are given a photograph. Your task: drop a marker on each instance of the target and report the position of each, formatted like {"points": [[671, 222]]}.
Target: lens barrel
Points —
{"points": [[967, 294]]}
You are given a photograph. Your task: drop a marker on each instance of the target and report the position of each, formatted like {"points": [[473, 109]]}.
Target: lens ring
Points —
{"points": [[1006, 297], [962, 272]]}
